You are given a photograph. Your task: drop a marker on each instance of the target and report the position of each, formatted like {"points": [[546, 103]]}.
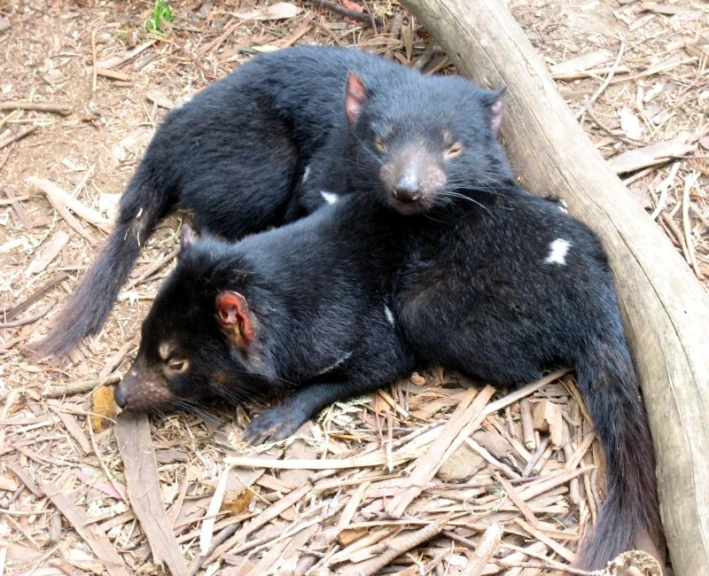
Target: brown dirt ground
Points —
{"points": [[51, 447]]}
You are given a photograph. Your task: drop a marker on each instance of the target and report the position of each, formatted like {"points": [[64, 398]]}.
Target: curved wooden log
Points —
{"points": [[665, 309]]}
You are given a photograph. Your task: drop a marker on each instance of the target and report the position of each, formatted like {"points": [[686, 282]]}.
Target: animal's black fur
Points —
{"points": [[317, 290], [236, 156]]}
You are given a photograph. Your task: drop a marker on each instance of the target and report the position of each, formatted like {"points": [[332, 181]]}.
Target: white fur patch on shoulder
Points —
{"points": [[388, 313], [329, 197], [558, 250], [306, 173]]}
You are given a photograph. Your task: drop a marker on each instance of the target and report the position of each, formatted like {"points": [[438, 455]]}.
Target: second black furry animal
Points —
{"points": [[304, 310], [259, 147]]}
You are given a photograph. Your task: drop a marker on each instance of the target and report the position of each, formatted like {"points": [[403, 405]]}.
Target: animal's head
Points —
{"points": [[199, 342], [420, 139]]}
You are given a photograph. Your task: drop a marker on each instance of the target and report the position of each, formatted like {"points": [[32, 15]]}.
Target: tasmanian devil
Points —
{"points": [[498, 283], [239, 155], [304, 309]]}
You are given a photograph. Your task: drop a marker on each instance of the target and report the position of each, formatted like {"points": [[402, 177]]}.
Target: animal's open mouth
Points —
{"points": [[408, 207]]}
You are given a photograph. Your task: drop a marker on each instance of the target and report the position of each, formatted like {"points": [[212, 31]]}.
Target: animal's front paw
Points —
{"points": [[274, 424]]}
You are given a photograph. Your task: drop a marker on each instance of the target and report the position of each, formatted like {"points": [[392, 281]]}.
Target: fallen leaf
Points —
{"points": [[239, 504], [277, 11], [104, 408]]}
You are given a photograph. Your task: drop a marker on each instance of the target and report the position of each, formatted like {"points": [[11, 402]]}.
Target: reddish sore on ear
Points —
{"points": [[188, 236], [497, 110], [356, 96], [235, 319]]}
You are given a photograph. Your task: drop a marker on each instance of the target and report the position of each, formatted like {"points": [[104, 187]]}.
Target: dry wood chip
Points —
{"points": [[581, 63], [135, 444], [277, 11], [97, 540], [269, 559], [59, 197], [462, 423], [652, 155], [351, 506], [205, 538], [548, 417], [547, 483], [366, 461], [263, 518], [73, 427], [49, 252], [349, 535], [118, 60], [489, 543], [562, 551], [393, 548], [353, 553], [666, 9]]}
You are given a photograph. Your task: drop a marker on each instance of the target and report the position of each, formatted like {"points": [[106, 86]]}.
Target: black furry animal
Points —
{"points": [[304, 309], [270, 143], [339, 303], [498, 284]]}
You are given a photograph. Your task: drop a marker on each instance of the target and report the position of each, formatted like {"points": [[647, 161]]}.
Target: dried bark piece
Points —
{"points": [[136, 446]]}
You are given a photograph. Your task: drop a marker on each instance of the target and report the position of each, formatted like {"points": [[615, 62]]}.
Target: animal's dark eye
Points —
{"points": [[178, 366], [454, 151], [379, 144]]}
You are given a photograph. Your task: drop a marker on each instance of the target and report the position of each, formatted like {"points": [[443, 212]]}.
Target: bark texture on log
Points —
{"points": [[665, 309]]}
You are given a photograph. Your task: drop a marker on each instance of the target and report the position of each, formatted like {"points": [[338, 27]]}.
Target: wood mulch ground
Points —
{"points": [[433, 475]]}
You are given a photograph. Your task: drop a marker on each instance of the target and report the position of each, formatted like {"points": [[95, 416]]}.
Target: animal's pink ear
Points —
{"points": [[235, 319], [356, 96], [497, 109], [188, 236]]}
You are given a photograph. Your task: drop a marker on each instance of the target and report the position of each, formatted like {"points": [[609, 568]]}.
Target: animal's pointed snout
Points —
{"points": [[407, 187]]}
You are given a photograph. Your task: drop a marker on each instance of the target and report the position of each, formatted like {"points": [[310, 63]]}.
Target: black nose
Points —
{"points": [[407, 189], [119, 395]]}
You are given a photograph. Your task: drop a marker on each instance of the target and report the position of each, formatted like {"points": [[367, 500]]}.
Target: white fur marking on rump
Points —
{"points": [[306, 173], [388, 314], [557, 252], [330, 197]]}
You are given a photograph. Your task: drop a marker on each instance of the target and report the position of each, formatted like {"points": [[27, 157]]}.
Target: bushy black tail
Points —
{"points": [[630, 513], [142, 205]]}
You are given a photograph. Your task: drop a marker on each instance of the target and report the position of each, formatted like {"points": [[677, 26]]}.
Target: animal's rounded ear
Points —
{"points": [[187, 237], [498, 98], [355, 97], [235, 319]]}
